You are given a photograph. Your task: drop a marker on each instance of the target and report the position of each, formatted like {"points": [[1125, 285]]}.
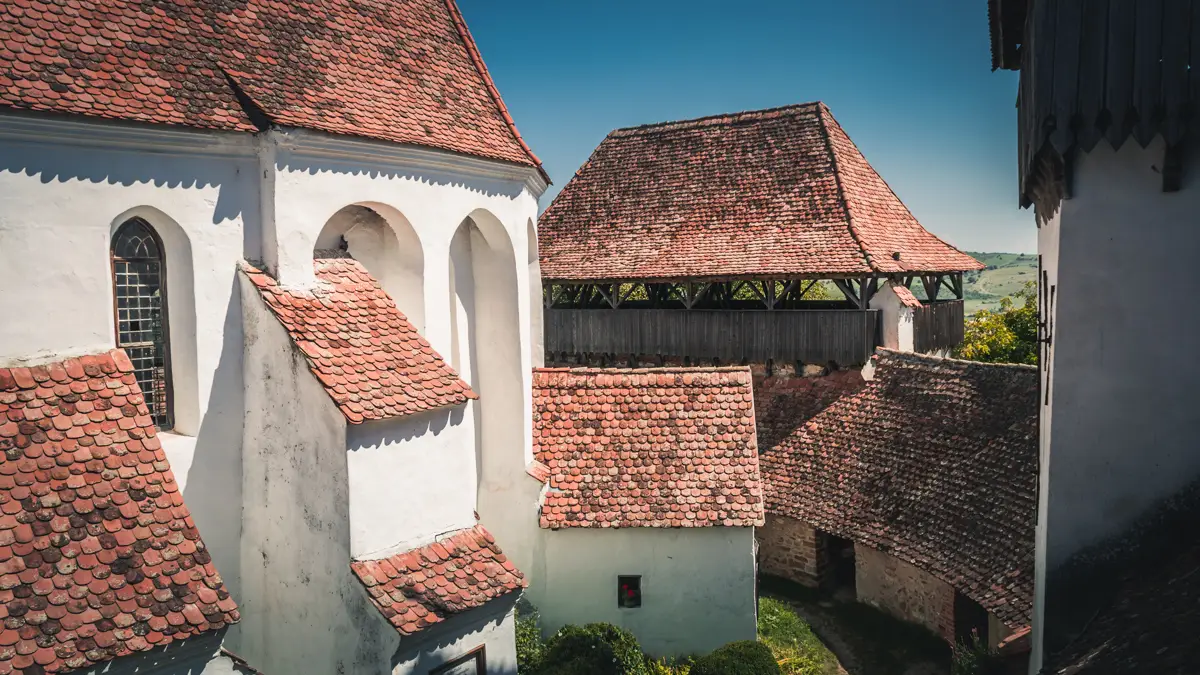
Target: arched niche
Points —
{"points": [[382, 239], [537, 348], [486, 348], [180, 312]]}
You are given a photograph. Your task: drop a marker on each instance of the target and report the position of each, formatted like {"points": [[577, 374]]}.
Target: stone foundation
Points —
{"points": [[792, 550], [904, 591]]}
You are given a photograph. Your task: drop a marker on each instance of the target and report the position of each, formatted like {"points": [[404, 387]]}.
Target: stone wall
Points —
{"points": [[904, 591], [791, 549]]}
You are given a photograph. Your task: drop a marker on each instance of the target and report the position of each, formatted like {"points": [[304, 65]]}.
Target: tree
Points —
{"points": [[1008, 335]]}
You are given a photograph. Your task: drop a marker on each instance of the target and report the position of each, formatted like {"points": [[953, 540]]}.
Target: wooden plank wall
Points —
{"points": [[939, 325], [1112, 69], [847, 337]]}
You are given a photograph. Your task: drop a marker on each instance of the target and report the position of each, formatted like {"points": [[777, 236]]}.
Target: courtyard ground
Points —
{"points": [[861, 639]]}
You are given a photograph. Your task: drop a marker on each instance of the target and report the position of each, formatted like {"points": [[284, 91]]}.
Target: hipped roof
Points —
{"points": [[771, 193]]}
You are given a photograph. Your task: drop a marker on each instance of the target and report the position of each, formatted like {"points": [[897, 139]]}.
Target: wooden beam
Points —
{"points": [[846, 286]]}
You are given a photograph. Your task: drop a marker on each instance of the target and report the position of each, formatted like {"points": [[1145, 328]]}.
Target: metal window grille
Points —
{"points": [[140, 296]]}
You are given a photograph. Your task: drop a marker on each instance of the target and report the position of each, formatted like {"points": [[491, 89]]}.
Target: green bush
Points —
{"points": [[530, 646], [747, 657], [974, 658], [797, 650], [597, 648]]}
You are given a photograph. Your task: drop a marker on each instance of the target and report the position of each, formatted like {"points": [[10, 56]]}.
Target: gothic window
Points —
{"points": [[140, 298]]}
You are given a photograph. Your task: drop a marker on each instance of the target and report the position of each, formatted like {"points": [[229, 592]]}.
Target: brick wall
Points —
{"points": [[790, 549], [904, 591]]}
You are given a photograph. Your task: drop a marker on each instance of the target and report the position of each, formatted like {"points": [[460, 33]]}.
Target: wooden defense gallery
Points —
{"points": [[708, 241]]}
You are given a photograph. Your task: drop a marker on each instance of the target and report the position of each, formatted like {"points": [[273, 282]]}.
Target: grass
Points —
{"points": [[795, 646], [879, 643], [1006, 274]]}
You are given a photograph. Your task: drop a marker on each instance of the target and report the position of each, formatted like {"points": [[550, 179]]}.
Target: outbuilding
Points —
{"points": [[651, 497]]}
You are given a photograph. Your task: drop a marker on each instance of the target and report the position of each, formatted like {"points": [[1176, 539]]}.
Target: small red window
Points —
{"points": [[629, 592]]}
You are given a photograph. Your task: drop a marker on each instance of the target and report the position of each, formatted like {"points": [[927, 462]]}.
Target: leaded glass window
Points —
{"points": [[139, 283]]}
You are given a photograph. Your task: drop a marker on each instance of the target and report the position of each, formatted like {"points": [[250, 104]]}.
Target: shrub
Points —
{"points": [[530, 646], [747, 657], [598, 648], [797, 650], [669, 666], [974, 658]]}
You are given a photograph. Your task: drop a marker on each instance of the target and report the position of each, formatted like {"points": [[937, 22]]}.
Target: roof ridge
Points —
{"points": [[823, 112], [709, 119], [914, 356], [460, 25]]}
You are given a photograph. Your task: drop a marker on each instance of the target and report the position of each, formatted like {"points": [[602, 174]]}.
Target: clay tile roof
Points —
{"points": [[933, 461], [665, 447], [366, 354], [906, 296], [780, 192], [1130, 604], [405, 71], [99, 557], [428, 585]]}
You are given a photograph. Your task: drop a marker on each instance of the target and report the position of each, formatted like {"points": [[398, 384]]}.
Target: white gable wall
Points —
{"points": [[698, 584], [411, 479]]}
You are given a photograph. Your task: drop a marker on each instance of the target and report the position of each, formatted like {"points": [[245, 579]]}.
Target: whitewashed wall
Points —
{"points": [[897, 318], [64, 188], [698, 584], [302, 609], [1117, 433], [491, 628], [411, 479]]}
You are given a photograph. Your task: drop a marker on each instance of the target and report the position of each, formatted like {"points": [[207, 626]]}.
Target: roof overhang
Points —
{"points": [[1007, 25]]}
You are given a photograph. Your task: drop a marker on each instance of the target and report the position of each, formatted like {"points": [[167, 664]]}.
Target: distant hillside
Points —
{"points": [[1006, 273]]}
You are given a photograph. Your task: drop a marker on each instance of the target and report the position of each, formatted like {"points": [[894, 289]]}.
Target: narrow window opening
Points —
{"points": [[140, 308], [629, 592]]}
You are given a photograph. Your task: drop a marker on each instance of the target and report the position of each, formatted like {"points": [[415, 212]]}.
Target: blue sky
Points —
{"points": [[910, 81]]}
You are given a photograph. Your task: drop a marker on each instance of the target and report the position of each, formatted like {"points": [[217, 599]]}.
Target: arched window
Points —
{"points": [[140, 294]]}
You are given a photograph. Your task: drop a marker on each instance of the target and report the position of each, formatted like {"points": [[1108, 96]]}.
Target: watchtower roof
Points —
{"points": [[782, 192]]}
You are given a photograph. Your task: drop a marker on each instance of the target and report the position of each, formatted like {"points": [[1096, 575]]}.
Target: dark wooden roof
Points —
{"points": [[1006, 19], [1097, 69]]}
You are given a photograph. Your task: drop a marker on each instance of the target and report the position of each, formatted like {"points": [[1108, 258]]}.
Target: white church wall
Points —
{"points": [[492, 628], [64, 188], [436, 192], [698, 584], [411, 479], [302, 609]]}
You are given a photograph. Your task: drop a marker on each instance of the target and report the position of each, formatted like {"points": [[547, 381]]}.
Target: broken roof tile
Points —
{"points": [[780, 192], [661, 447], [370, 359], [99, 557]]}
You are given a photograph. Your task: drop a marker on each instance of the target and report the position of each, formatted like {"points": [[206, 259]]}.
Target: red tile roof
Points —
{"points": [[370, 359], [99, 557], [934, 461], [781, 192], [906, 296], [428, 585], [405, 71], [662, 447]]}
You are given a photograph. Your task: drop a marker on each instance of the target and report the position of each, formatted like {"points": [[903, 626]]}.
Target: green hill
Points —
{"points": [[1006, 273]]}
